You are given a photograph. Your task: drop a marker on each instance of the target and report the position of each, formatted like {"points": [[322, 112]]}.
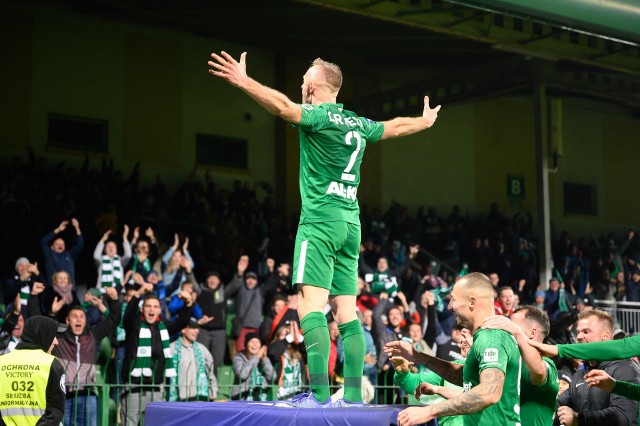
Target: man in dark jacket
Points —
{"points": [[37, 375], [213, 334], [148, 360], [26, 274], [249, 296], [383, 334], [78, 351], [582, 404], [57, 257]]}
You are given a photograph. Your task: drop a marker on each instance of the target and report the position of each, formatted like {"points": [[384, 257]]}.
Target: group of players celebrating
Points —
{"points": [[504, 380]]}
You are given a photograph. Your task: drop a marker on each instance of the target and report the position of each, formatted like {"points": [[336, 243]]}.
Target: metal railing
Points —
{"points": [[626, 315], [109, 395]]}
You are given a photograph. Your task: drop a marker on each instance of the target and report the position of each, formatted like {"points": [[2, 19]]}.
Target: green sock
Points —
{"points": [[354, 352], [318, 343]]}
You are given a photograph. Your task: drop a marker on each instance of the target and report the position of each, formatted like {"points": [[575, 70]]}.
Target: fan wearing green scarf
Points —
{"points": [[196, 378], [109, 262], [148, 358]]}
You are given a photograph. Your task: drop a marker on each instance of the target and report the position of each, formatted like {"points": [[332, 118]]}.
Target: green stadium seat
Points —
{"points": [[226, 378], [229, 324], [231, 306]]}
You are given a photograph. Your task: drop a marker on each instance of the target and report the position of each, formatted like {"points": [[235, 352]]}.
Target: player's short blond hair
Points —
{"points": [[477, 283], [332, 73], [601, 315]]}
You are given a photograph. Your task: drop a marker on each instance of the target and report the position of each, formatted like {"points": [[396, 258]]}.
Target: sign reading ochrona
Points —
{"points": [[21, 388]]}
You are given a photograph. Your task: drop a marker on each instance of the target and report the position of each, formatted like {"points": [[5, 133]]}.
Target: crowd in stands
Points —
{"points": [[182, 284]]}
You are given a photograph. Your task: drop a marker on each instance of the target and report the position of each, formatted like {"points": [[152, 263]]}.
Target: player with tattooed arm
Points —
{"points": [[490, 375]]}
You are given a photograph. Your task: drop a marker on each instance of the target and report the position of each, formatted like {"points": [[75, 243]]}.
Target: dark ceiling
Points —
{"points": [[420, 43], [304, 31]]}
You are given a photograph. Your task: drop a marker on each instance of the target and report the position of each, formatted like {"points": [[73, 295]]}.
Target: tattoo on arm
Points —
{"points": [[449, 371], [478, 398]]}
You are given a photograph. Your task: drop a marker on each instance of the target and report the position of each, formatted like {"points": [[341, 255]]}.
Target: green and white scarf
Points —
{"points": [[121, 334], [146, 265], [25, 293], [202, 381], [290, 377], [111, 271], [382, 282], [142, 365]]}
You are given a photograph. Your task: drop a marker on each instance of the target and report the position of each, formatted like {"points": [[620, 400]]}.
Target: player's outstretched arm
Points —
{"points": [[403, 126], [449, 371], [544, 348], [235, 73]]}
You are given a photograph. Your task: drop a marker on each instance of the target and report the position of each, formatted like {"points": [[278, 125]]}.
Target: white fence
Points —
{"points": [[625, 314]]}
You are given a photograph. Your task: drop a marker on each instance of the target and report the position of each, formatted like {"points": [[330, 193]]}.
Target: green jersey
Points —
{"points": [[539, 403], [332, 144], [607, 350], [494, 349], [630, 390], [410, 381]]}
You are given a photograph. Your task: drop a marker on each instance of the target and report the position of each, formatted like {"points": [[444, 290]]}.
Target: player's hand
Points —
{"points": [[600, 379], [400, 348], [545, 349], [501, 322], [232, 71], [425, 389], [400, 364], [430, 114], [414, 416]]}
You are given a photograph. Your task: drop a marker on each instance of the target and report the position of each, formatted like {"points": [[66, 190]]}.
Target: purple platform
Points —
{"points": [[244, 413]]}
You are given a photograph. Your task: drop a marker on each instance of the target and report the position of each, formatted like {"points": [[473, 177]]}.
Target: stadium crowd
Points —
{"points": [[176, 286]]}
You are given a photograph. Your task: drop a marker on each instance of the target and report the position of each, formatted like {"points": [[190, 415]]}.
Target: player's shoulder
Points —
{"points": [[550, 363], [491, 333], [496, 336], [308, 107]]}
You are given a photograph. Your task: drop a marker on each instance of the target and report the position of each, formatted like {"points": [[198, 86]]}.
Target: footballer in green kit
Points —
{"points": [[539, 382], [491, 373], [494, 350], [332, 143]]}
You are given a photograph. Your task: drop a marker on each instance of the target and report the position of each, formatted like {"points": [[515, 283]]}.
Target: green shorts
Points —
{"points": [[326, 256]]}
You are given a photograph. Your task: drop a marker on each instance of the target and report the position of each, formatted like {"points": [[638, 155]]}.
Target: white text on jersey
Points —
{"points": [[341, 119], [342, 190]]}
